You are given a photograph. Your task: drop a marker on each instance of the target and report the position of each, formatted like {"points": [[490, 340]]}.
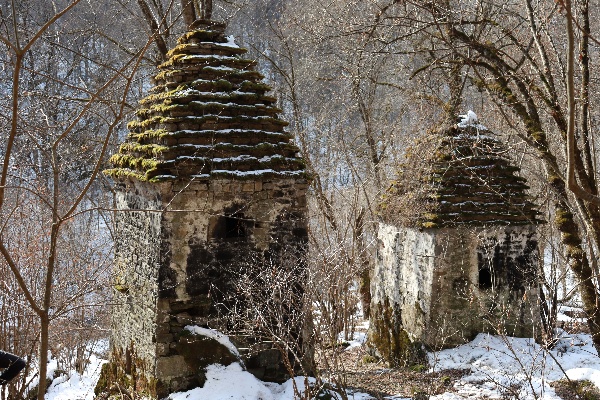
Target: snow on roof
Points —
{"points": [[199, 105], [230, 42], [470, 119]]}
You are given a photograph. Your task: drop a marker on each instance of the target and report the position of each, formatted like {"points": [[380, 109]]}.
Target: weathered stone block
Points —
{"points": [[170, 367], [164, 338], [162, 349]]}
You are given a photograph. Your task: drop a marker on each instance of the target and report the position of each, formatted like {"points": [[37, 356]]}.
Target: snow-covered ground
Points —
{"points": [[75, 386], [506, 367], [500, 367]]}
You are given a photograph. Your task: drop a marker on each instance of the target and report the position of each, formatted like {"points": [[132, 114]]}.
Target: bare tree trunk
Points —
{"points": [[154, 26], [189, 12], [43, 354], [205, 9]]}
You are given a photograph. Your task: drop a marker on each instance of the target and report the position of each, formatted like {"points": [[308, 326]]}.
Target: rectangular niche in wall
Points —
{"points": [[232, 225]]}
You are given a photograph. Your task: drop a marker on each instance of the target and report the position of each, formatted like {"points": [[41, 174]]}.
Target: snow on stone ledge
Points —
{"points": [[230, 42], [213, 334], [470, 119]]}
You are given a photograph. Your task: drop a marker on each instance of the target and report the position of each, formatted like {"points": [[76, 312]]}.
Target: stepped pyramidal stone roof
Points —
{"points": [[467, 180], [207, 116]]}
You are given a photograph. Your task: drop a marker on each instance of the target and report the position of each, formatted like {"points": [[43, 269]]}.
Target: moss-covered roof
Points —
{"points": [[208, 115], [458, 176]]}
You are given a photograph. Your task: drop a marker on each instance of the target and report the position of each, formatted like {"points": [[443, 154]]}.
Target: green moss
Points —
{"points": [[127, 372], [172, 61], [121, 288], [391, 340], [564, 221], [133, 162], [418, 368], [119, 173], [104, 381], [369, 359], [179, 49], [430, 216], [136, 126], [153, 150], [148, 134]]}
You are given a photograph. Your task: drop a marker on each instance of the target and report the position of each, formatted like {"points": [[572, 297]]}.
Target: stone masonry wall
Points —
{"points": [[187, 272], [137, 255], [441, 287], [404, 273], [200, 283]]}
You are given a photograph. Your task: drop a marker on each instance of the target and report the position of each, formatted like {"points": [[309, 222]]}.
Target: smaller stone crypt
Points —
{"points": [[457, 248], [211, 230]]}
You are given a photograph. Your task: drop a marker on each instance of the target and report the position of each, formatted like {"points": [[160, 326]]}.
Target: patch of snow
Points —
{"points": [[227, 383], [359, 337], [230, 42], [75, 386], [274, 157], [285, 390], [166, 176], [242, 157], [589, 374], [233, 383], [208, 57], [500, 367], [213, 334], [218, 116], [497, 363], [185, 92], [221, 68], [211, 132], [470, 119], [563, 317], [218, 103], [256, 172], [227, 145]]}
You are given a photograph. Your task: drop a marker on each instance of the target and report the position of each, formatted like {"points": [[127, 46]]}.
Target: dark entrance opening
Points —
{"points": [[485, 278], [235, 226]]}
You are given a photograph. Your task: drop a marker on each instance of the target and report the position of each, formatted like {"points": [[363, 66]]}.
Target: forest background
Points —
{"points": [[359, 82]]}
